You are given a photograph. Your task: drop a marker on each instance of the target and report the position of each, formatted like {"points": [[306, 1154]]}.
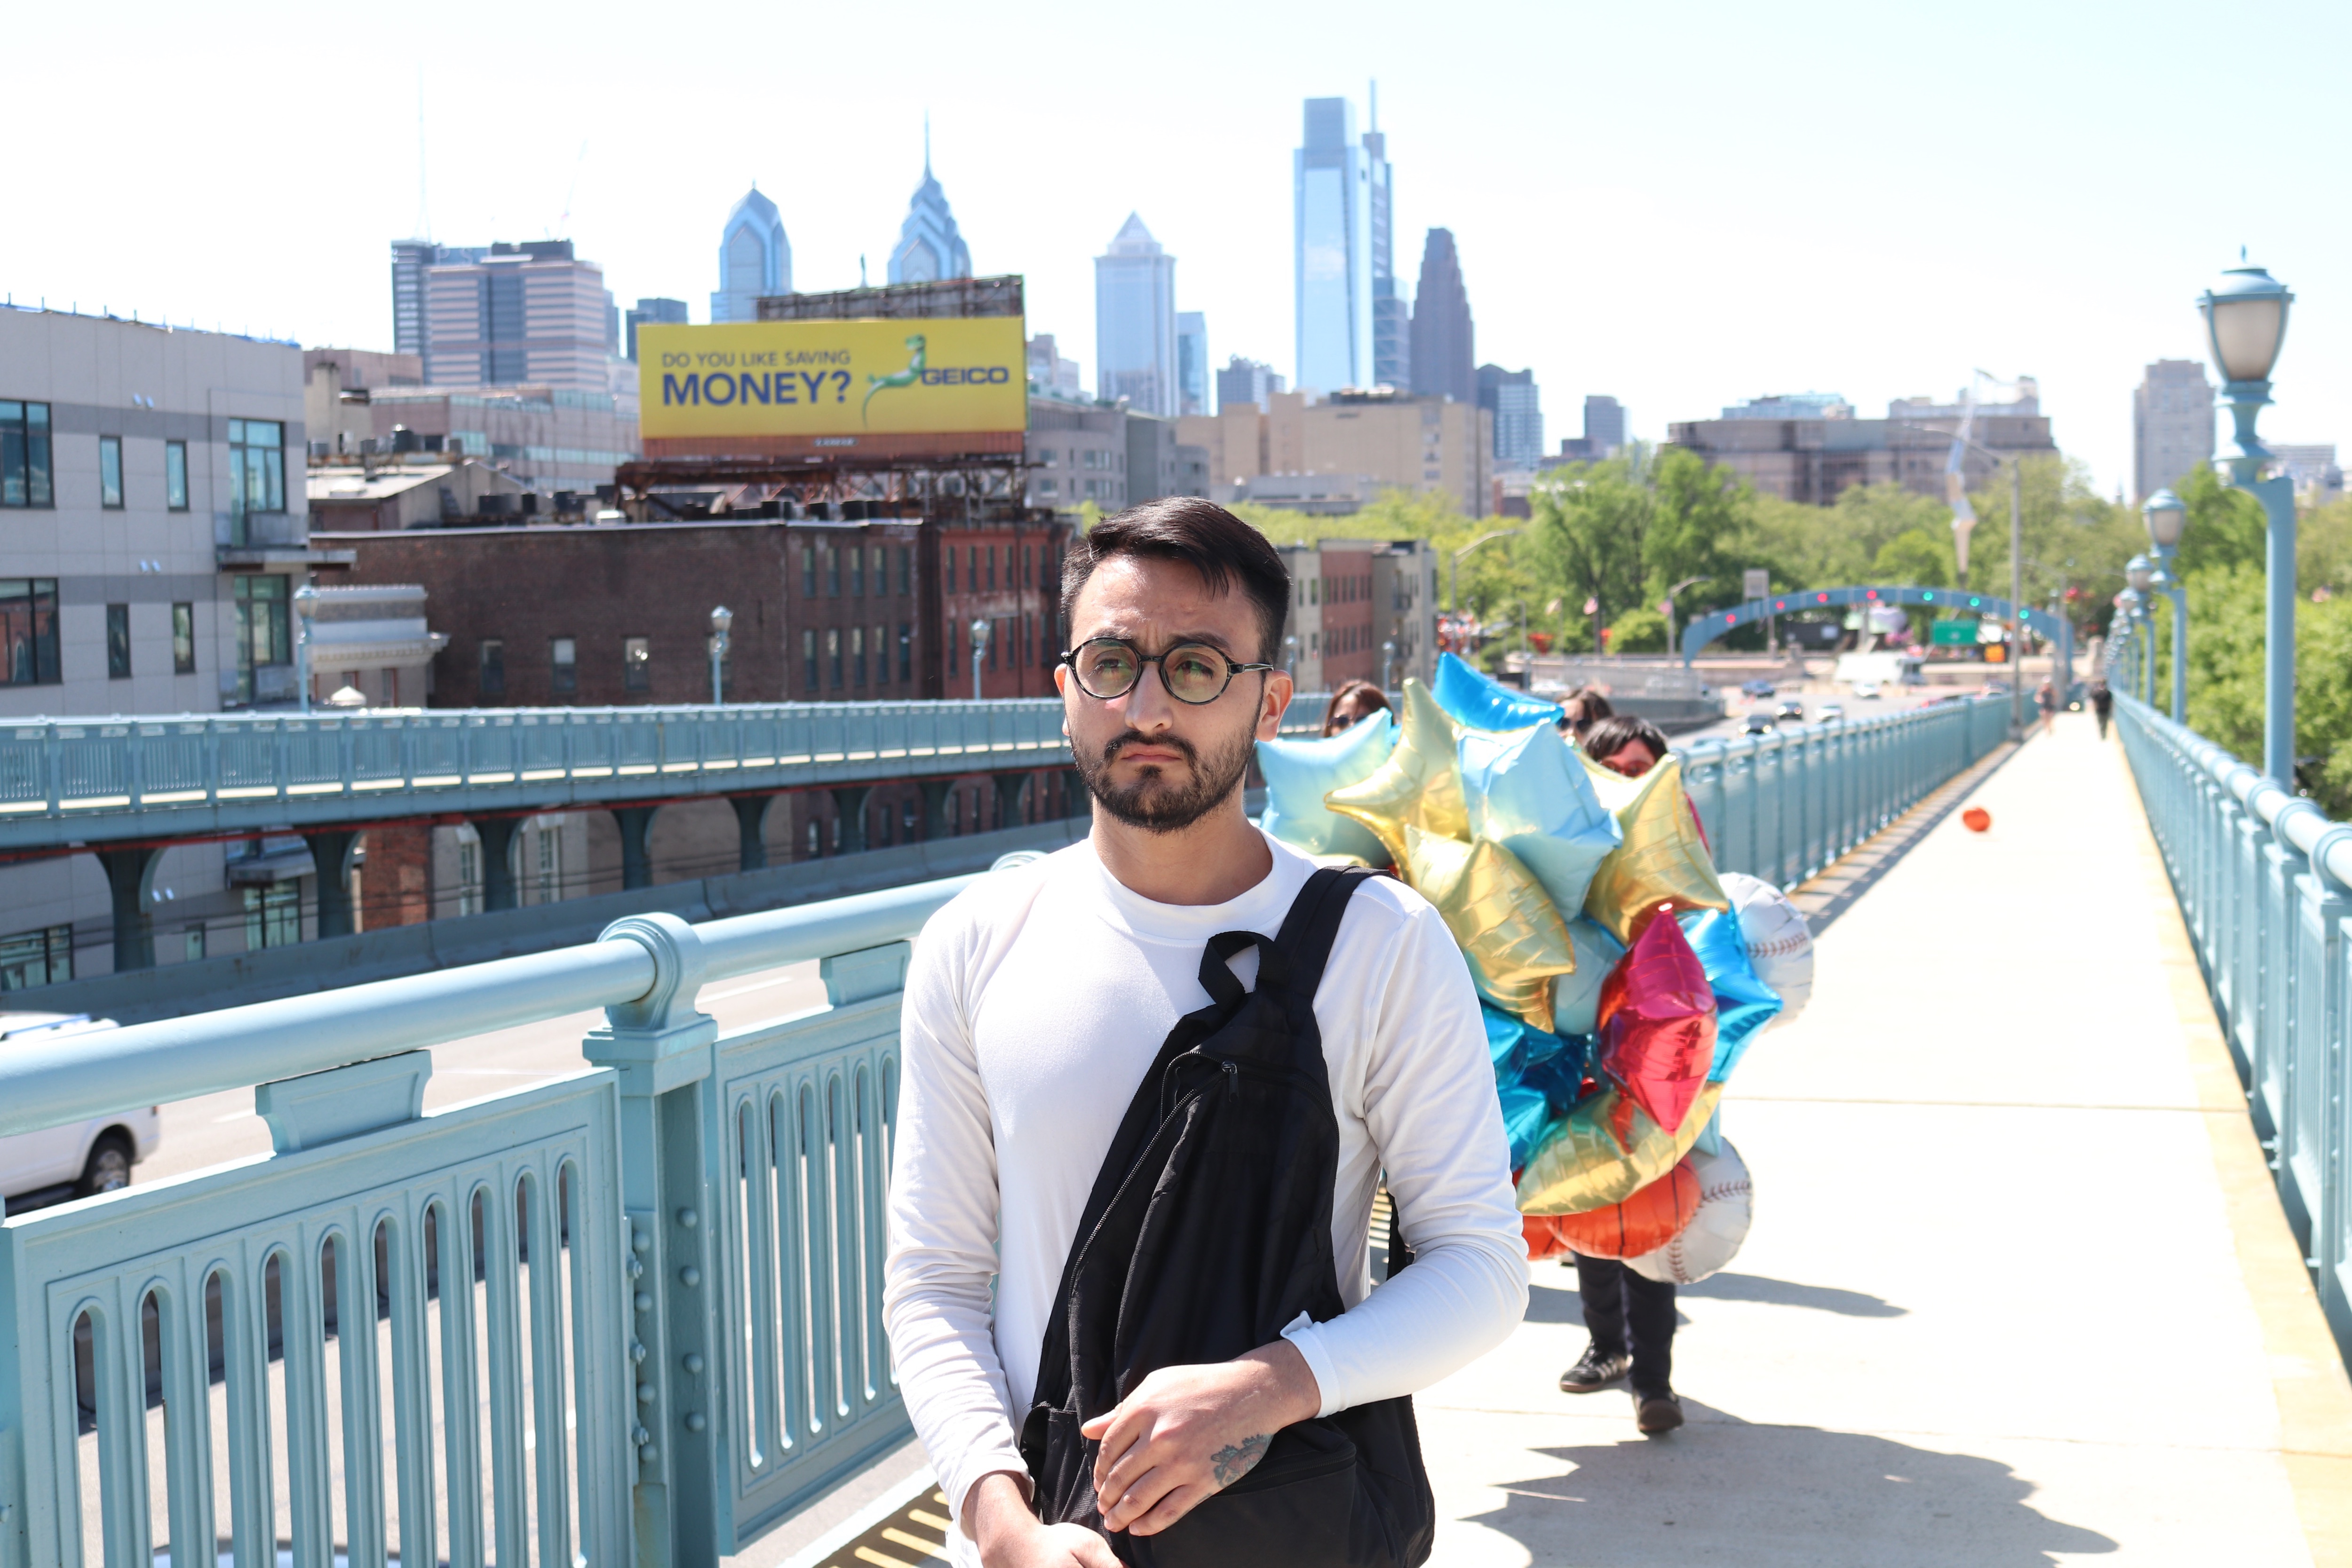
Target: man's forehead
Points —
{"points": [[1128, 590]]}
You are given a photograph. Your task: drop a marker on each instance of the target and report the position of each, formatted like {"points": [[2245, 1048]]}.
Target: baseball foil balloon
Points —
{"points": [[1711, 1239], [1648, 1220], [1780, 943], [1582, 1164]]}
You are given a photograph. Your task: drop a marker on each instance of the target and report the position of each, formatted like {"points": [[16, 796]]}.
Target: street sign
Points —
{"points": [[1755, 583], [1953, 634]]}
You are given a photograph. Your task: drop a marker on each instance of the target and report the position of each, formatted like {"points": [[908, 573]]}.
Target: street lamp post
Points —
{"points": [[1666, 607], [2016, 575], [2140, 574], [2245, 323], [980, 629], [306, 606], [1454, 572], [722, 620], [1388, 664], [2167, 519]]}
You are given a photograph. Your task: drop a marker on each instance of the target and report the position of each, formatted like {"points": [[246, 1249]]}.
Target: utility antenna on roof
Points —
{"points": [[927, 148], [423, 229], [1376, 106]]}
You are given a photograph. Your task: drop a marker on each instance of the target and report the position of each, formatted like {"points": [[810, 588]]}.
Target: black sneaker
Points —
{"points": [[1597, 1371], [1657, 1415]]}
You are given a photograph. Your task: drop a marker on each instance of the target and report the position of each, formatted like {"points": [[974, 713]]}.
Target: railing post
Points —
{"points": [[661, 1047]]}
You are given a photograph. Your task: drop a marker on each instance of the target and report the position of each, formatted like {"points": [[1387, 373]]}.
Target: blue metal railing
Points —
{"points": [[632, 1311], [2264, 881]]}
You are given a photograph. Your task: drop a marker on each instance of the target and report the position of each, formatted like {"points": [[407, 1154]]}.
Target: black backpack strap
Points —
{"points": [[1307, 933]]}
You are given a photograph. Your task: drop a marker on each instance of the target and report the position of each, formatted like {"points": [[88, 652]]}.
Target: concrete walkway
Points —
{"points": [[2017, 1291]]}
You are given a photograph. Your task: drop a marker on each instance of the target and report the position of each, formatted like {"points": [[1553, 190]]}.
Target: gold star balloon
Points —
{"points": [[1419, 786], [1663, 859], [1586, 1162], [1496, 910]]}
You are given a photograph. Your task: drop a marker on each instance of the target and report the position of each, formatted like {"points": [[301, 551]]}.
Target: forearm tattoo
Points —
{"points": [[1230, 1464]]}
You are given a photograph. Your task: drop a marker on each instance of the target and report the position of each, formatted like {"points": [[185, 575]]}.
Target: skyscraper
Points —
{"points": [[655, 311], [410, 258], [754, 259], [1392, 316], [930, 247], [1135, 321], [1511, 397], [1604, 425], [1332, 222], [1246, 381], [2172, 425], [1193, 362], [529, 313], [1444, 363]]}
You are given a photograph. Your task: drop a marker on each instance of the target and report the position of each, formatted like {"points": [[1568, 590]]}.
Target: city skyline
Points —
{"points": [[2092, 243]]}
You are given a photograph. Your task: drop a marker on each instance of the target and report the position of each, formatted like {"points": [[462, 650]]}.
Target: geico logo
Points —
{"points": [[966, 375]]}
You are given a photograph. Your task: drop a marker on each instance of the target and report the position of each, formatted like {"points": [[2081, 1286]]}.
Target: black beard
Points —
{"points": [[1151, 803]]}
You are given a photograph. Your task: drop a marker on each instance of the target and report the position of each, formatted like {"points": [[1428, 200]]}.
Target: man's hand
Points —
{"points": [[996, 1516], [1188, 1432]]}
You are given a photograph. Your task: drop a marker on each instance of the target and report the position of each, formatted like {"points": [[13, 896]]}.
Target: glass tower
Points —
{"points": [[754, 259], [1135, 321], [1332, 216]]}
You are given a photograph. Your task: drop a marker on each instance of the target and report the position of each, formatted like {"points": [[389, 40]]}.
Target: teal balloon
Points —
{"points": [[1576, 998], [1529, 792], [1299, 774], [1743, 1003], [1478, 700], [1537, 1078]]}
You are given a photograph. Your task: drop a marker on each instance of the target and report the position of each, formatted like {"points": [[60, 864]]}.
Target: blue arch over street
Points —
{"points": [[1704, 630]]}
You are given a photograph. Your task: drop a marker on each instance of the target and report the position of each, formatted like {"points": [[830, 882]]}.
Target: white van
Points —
{"points": [[86, 1157]]}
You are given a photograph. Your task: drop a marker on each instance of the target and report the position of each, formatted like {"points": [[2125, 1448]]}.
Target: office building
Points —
{"points": [[1444, 359], [532, 312], [1510, 396], [1331, 185], [339, 387], [1076, 451], [755, 259], [410, 258], [1050, 372], [1134, 323], [1605, 433], [657, 312], [2172, 425], [1809, 446], [550, 439], [2313, 470], [1246, 381], [1392, 316], [1360, 609], [930, 248], [1372, 441], [1192, 364], [1243, 441]]}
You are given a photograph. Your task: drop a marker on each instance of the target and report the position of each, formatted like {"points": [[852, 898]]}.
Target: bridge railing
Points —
{"points": [[635, 1310], [2264, 882]]}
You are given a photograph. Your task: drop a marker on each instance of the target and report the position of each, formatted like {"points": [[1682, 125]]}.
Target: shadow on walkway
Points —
{"points": [[1560, 1304], [1723, 1490]]}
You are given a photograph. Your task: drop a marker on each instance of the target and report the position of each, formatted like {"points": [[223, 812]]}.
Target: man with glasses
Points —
{"points": [[1038, 998]]}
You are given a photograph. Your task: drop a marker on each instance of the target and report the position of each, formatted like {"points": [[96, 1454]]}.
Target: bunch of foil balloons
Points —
{"points": [[1620, 976]]}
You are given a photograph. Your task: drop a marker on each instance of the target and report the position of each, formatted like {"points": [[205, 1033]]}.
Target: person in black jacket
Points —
{"points": [[2103, 703]]}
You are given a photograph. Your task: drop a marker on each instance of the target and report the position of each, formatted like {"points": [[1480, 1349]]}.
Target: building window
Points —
{"points": [[992, 568], [183, 639], [857, 571], [563, 664], [881, 656], [906, 570], [551, 862], [996, 637], [905, 652], [265, 640], [636, 663], [857, 654], [175, 475], [469, 871], [949, 554], [110, 472], [256, 470], [192, 942], [39, 957], [832, 653], [25, 455], [808, 570], [29, 631], [273, 915], [494, 666], [832, 572], [808, 661], [118, 642]]}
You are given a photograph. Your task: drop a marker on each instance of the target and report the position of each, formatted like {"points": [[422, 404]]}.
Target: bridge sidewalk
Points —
{"points": [[2018, 1291]]}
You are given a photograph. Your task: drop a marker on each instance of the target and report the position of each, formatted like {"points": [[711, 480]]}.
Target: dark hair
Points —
{"points": [[1614, 733], [1592, 708], [1202, 535], [1359, 687]]}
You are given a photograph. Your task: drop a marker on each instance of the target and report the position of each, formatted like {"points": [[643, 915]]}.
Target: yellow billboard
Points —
{"points": [[924, 376]]}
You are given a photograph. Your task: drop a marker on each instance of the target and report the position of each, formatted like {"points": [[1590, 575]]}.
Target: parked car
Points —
{"points": [[1792, 711], [84, 1157], [1759, 723], [1830, 711], [1756, 689], [1865, 690]]}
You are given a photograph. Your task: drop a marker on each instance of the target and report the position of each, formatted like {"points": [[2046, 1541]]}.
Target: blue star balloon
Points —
{"points": [[1743, 1003], [1473, 699], [1537, 1077], [1299, 774], [1528, 792], [1576, 998]]}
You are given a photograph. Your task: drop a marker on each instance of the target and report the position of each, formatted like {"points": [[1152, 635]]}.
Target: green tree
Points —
{"points": [[2226, 679], [1913, 559]]}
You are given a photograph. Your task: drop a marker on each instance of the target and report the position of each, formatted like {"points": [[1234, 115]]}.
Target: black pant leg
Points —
{"points": [[1649, 1312], [1599, 1282]]}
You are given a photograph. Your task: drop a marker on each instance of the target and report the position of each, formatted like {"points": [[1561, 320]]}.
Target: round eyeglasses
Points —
{"points": [[1193, 672]]}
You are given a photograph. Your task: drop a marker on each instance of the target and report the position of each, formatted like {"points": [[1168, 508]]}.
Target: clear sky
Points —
{"points": [[1683, 206]]}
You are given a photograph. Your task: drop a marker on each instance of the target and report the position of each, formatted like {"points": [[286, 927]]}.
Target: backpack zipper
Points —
{"points": [[1232, 1079]]}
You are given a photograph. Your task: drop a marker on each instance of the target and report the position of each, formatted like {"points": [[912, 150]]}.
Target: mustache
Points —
{"points": [[1126, 738]]}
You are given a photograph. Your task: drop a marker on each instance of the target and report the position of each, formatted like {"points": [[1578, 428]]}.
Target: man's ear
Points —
{"points": [[1279, 688]]}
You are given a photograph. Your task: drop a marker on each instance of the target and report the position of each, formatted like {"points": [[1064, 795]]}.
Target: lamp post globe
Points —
{"points": [[2137, 573], [2245, 323], [2167, 516], [306, 607], [721, 620]]}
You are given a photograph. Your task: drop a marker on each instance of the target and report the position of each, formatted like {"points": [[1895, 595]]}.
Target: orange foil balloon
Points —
{"points": [[1978, 818], [1643, 1223], [1657, 1025]]}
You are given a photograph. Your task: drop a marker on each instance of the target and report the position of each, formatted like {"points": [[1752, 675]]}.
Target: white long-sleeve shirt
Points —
{"points": [[1035, 1002]]}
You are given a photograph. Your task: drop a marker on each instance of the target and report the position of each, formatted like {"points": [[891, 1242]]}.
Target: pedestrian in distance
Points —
{"points": [[2045, 697], [1354, 702], [1584, 708], [1631, 1318], [1071, 1027], [2102, 704]]}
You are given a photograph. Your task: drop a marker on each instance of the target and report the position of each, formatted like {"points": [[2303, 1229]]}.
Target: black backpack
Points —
{"points": [[1208, 1231]]}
